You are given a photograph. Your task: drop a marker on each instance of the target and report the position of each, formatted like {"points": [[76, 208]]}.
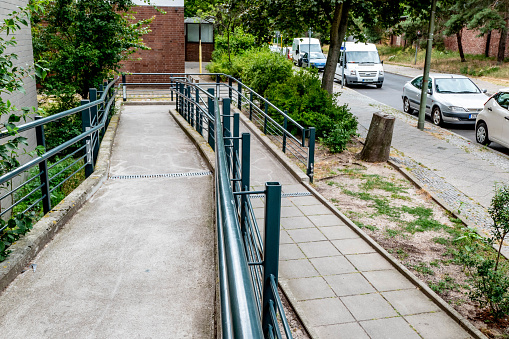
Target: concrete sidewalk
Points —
{"points": [[137, 261], [458, 173]]}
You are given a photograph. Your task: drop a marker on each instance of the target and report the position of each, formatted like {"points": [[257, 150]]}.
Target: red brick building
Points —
{"points": [[167, 41], [472, 44], [199, 31]]}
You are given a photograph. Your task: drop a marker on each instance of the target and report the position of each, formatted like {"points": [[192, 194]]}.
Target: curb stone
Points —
{"points": [[27, 248]]}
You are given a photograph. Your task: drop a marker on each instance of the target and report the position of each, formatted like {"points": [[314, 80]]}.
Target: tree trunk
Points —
{"points": [[337, 35], [487, 47], [378, 141], [502, 43], [460, 46]]}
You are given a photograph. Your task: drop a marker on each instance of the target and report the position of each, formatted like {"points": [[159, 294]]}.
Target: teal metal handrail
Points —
{"points": [[248, 265], [300, 145], [95, 119]]}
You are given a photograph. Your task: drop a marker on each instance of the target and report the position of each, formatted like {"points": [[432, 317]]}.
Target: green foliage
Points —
{"points": [[11, 82], [240, 42], [499, 211], [299, 93], [84, 41]]}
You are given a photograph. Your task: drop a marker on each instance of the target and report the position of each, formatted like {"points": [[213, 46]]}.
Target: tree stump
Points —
{"points": [[378, 141]]}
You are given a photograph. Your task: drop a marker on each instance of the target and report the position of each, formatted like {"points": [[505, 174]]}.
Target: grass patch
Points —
{"points": [[423, 268], [362, 225], [424, 224], [378, 182], [419, 211]]}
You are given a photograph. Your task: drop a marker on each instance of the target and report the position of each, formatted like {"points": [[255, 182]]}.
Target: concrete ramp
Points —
{"points": [[137, 261]]}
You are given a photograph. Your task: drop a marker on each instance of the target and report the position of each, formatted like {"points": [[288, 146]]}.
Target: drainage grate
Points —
{"points": [[284, 195], [166, 175]]}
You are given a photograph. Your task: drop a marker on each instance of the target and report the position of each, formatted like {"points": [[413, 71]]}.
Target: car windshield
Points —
{"points": [[315, 48], [456, 85], [363, 57], [317, 55]]}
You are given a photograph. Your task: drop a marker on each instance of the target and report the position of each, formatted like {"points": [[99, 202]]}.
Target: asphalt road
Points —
{"points": [[390, 94]]}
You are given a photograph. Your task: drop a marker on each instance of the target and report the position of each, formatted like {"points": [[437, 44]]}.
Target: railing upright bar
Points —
{"points": [[285, 126], [218, 89], [43, 169], [124, 88], [227, 132], [265, 118], [236, 145], [86, 125], [250, 105], [92, 94], [271, 247], [245, 179], [311, 154], [230, 84], [239, 91], [211, 122], [199, 125]]}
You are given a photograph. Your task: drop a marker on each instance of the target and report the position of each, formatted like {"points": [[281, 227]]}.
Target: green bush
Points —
{"points": [[240, 42], [308, 104]]}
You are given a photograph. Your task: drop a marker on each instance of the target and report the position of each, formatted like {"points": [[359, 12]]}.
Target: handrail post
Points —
{"points": [[265, 118], [211, 122], [43, 169], [124, 88], [230, 85], [285, 126], [227, 132], [239, 100], [181, 95], [250, 105], [199, 126], [236, 146], [271, 247], [176, 97], [245, 179], [94, 119], [311, 154], [85, 126], [218, 89]]}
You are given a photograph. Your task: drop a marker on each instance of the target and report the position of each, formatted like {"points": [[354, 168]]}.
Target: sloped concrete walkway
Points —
{"points": [[137, 261]]}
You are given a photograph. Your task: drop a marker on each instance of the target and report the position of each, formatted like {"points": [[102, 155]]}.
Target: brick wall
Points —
{"points": [[192, 51], [167, 43], [475, 45]]}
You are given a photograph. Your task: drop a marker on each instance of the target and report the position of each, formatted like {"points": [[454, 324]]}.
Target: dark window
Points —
{"points": [[503, 99], [417, 82]]}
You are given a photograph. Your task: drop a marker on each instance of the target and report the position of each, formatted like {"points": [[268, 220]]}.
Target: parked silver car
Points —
{"points": [[451, 98]]}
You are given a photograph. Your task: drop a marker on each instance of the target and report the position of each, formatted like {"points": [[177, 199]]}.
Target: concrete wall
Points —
{"points": [[25, 58]]}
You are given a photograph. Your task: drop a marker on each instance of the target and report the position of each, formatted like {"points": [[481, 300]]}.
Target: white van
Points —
{"points": [[301, 46], [362, 64]]}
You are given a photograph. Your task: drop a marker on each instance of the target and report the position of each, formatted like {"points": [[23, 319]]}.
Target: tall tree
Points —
{"points": [[84, 41], [332, 17]]}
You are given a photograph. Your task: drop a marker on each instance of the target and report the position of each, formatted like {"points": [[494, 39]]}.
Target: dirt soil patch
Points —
{"points": [[405, 221]]}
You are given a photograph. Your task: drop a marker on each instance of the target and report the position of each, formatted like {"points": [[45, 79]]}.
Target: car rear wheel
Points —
{"points": [[406, 106], [378, 85], [436, 116], [481, 134]]}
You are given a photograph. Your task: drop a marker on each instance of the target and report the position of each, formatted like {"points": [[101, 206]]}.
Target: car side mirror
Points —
{"points": [[430, 91], [484, 90], [382, 62]]}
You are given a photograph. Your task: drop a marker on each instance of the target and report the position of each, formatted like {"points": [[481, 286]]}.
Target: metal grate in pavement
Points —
{"points": [[164, 175]]}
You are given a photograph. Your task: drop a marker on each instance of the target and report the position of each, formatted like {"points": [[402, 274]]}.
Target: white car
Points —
{"points": [[451, 98], [492, 123]]}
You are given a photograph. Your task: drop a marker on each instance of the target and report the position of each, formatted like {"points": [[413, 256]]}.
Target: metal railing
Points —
{"points": [[292, 138], [248, 265], [95, 114]]}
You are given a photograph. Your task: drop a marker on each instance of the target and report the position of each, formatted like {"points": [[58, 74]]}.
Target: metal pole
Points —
{"points": [[425, 80], [230, 85], [239, 100], [85, 125], [265, 120], [218, 91], [236, 146], [416, 47], [250, 105], [227, 132], [285, 125], [311, 154], [43, 169], [211, 122], [245, 179], [343, 64], [271, 247], [199, 126], [124, 88], [94, 119]]}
